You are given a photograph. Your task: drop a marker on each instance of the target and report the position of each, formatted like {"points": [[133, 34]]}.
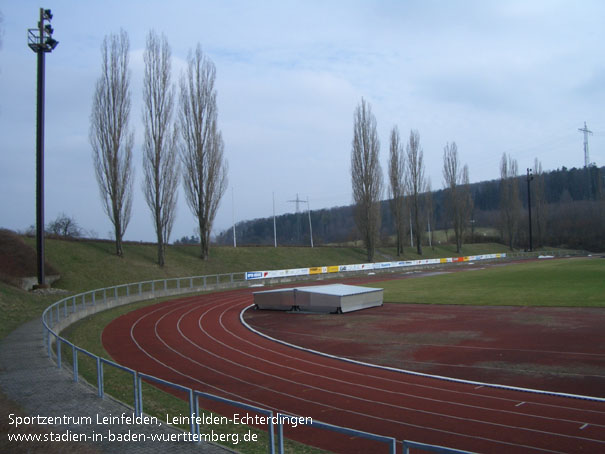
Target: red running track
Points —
{"points": [[200, 343]]}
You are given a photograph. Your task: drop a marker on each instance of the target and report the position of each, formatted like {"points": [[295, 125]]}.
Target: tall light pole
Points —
{"points": [[40, 40], [529, 178], [274, 227], [233, 213]]}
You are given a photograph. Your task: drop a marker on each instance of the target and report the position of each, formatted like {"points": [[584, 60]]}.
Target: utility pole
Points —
{"points": [[298, 227], [274, 228], [529, 178], [411, 232], [297, 201], [233, 214], [40, 40], [310, 225], [586, 131]]}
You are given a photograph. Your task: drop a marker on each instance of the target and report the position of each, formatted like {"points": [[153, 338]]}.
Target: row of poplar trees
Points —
{"points": [[408, 185], [182, 139]]}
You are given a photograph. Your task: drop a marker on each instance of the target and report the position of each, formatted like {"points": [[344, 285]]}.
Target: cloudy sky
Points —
{"points": [[516, 77]]}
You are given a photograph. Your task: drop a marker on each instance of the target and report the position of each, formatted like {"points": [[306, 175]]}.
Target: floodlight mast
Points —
{"points": [[40, 40], [529, 178]]}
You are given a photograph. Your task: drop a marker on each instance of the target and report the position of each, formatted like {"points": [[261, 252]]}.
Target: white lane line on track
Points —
{"points": [[419, 374], [330, 406], [155, 359], [345, 395], [414, 396], [192, 378], [188, 301]]}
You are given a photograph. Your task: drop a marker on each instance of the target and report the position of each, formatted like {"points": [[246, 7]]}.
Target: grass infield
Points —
{"points": [[576, 282]]}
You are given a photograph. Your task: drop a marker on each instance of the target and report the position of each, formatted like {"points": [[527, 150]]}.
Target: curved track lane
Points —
{"points": [[200, 342]]}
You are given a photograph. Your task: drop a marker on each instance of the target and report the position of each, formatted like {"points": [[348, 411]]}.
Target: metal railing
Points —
{"points": [[390, 441], [70, 309]]}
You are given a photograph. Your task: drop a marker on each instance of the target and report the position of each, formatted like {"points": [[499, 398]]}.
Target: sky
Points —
{"points": [[515, 77]]}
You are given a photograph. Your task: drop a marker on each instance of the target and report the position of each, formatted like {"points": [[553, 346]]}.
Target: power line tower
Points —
{"points": [[586, 131], [297, 201]]}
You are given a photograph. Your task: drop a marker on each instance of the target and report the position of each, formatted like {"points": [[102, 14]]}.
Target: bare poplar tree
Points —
{"points": [[467, 200], [416, 183], [366, 176], [539, 201], [110, 137], [160, 150], [429, 209], [202, 148], [457, 193], [397, 186], [510, 204]]}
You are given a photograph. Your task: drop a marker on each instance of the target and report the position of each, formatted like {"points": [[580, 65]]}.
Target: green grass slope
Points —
{"points": [[85, 265]]}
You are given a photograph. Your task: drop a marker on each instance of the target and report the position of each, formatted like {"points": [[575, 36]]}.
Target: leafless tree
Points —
{"points": [[160, 150], [65, 226], [416, 183], [110, 137], [510, 204], [397, 186], [457, 193], [429, 209], [202, 148], [366, 176]]}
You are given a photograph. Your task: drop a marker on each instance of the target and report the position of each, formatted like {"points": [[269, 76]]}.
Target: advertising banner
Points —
{"points": [[251, 275]]}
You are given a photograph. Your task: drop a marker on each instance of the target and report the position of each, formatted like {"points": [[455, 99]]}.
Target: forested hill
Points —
{"points": [[575, 192]]}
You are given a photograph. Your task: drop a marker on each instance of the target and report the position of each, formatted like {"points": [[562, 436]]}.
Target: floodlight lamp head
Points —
{"points": [[51, 44], [48, 29], [48, 15]]}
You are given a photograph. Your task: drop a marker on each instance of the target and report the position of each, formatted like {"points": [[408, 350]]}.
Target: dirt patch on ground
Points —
{"points": [[554, 349], [17, 259]]}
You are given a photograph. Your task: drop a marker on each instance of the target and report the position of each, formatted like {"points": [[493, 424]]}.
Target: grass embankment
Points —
{"points": [[86, 265], [561, 282], [18, 306]]}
